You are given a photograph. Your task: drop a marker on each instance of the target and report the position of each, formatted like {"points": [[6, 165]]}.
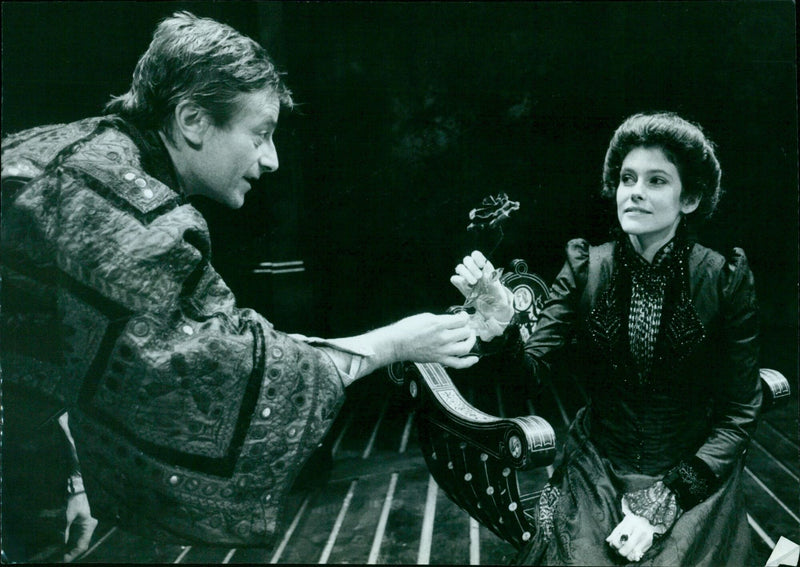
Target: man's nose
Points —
{"points": [[268, 160]]}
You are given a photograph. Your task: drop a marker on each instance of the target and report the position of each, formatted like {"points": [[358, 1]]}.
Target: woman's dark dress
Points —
{"points": [[682, 412]]}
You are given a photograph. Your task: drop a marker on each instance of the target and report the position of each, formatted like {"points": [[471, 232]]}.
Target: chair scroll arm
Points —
{"points": [[474, 456], [775, 388]]}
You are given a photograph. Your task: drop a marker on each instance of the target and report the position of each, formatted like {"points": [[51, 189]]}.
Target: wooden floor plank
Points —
{"points": [[354, 542], [494, 551], [783, 418], [315, 527], [54, 553], [206, 555], [779, 481], [759, 551], [397, 412], [125, 547], [450, 538], [403, 527], [769, 515]]}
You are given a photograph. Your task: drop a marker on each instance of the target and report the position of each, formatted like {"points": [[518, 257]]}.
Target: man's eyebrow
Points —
{"points": [[265, 120], [268, 123]]}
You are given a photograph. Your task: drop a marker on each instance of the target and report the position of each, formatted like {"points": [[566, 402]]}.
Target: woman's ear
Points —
{"points": [[191, 122], [689, 204]]}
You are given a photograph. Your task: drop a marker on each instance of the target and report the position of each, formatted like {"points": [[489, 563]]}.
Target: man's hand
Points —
{"points": [[80, 526], [633, 536], [446, 339], [478, 282]]}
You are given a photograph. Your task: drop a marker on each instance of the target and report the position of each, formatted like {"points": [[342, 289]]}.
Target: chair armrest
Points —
{"points": [[473, 456], [775, 388]]}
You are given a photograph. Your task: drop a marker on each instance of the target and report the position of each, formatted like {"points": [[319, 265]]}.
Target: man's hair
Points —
{"points": [[200, 60], [683, 143]]}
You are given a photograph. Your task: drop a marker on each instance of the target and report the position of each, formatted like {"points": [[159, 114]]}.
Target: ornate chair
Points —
{"points": [[473, 456]]}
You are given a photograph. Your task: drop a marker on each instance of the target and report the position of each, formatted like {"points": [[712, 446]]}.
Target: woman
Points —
{"points": [[650, 470]]}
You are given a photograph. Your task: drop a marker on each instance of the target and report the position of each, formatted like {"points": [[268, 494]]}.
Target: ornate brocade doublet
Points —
{"points": [[191, 416]]}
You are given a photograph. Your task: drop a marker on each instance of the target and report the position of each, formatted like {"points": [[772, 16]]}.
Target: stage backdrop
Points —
{"points": [[410, 113]]}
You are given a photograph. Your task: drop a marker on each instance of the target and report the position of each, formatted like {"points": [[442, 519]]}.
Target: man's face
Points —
{"points": [[230, 158]]}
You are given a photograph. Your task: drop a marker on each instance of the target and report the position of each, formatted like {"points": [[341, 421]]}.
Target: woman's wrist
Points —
{"points": [[692, 481], [657, 504]]}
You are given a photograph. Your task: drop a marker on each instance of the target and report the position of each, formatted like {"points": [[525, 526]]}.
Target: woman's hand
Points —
{"points": [[633, 536], [479, 283]]}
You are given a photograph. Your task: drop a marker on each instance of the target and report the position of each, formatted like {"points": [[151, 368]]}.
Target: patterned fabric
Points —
{"points": [[656, 503], [547, 509], [191, 416], [692, 481], [715, 532], [648, 287]]}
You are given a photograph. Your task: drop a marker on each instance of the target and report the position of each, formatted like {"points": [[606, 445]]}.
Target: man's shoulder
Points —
{"points": [[113, 161], [28, 153], [93, 150]]}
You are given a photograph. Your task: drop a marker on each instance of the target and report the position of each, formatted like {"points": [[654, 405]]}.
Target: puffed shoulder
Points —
{"points": [[737, 274], [577, 252], [578, 249], [729, 274]]}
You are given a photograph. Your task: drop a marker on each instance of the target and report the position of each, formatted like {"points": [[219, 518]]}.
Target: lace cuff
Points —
{"points": [[657, 504], [692, 482]]}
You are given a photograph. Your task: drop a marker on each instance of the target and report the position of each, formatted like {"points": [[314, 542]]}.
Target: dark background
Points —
{"points": [[411, 113]]}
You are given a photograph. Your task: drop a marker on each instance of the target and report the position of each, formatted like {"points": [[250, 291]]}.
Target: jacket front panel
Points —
{"points": [[703, 395]]}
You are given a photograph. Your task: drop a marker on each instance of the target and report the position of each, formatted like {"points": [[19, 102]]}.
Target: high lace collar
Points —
{"points": [[665, 260]]}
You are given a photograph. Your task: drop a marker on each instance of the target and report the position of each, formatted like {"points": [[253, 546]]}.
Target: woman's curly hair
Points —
{"points": [[683, 143]]}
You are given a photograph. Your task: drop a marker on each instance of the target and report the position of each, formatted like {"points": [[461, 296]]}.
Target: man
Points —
{"points": [[191, 417]]}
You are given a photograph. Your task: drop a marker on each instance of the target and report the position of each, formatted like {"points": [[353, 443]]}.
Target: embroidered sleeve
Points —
{"points": [[658, 504], [692, 482]]}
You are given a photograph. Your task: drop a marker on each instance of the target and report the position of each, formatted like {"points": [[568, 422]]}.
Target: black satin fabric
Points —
{"points": [[713, 533], [700, 399]]}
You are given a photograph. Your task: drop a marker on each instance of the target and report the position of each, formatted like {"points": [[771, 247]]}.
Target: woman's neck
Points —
{"points": [[648, 245]]}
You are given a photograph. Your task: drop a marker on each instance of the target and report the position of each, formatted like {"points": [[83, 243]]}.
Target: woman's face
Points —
{"points": [[649, 204]]}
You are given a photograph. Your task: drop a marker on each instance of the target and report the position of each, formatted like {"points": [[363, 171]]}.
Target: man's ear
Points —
{"points": [[191, 122], [689, 204]]}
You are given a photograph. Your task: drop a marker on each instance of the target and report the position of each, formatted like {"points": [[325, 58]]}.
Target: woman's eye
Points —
{"points": [[627, 179], [657, 181]]}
